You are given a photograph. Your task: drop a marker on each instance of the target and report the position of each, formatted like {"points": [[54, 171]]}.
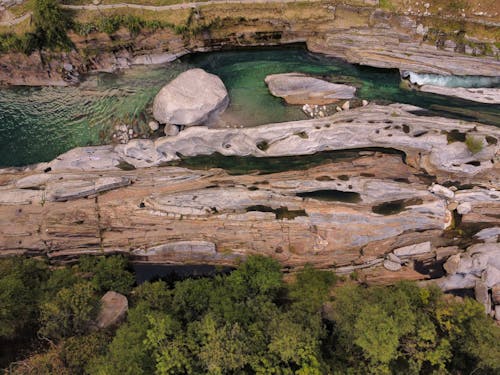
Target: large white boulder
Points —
{"points": [[114, 307], [193, 98]]}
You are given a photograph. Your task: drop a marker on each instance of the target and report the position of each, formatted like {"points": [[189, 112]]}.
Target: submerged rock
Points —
{"points": [[193, 98], [297, 88]]}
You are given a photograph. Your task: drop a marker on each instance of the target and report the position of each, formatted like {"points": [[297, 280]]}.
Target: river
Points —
{"points": [[39, 123]]}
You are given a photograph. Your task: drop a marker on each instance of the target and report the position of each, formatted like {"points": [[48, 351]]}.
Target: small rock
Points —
{"points": [[338, 109], [114, 307], [497, 312], [444, 252], [393, 258], [346, 106], [442, 191], [392, 266], [491, 276], [482, 296], [488, 234], [452, 264], [364, 102], [452, 206], [464, 208], [495, 294], [406, 251], [427, 5], [68, 67], [153, 125], [171, 130]]}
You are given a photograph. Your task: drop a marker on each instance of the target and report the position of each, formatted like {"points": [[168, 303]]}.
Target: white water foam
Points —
{"points": [[451, 81]]}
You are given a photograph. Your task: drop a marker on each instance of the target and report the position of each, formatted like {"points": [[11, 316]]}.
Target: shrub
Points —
{"points": [[474, 144], [51, 24]]}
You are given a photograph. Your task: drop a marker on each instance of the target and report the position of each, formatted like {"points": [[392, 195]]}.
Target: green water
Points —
{"points": [[37, 124]]}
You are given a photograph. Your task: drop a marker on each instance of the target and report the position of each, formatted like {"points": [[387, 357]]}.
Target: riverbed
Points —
{"points": [[39, 123]]}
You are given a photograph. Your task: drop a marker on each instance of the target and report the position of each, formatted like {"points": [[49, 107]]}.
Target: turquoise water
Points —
{"points": [[37, 124]]}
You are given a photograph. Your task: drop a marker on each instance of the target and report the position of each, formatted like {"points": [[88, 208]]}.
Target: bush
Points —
{"points": [[51, 24], [20, 292], [70, 313], [108, 273], [474, 144]]}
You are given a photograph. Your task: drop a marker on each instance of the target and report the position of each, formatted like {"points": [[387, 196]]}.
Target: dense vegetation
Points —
{"points": [[247, 322]]}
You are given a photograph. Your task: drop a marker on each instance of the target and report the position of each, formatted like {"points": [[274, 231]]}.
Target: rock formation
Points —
{"points": [[435, 145], [395, 196], [298, 88], [114, 307], [357, 31], [481, 95], [193, 98]]}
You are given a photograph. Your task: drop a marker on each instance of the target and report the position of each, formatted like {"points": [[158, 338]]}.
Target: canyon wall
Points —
{"points": [[406, 38]]}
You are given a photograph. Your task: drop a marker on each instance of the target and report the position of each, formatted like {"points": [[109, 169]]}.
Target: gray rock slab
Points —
{"points": [[297, 88]]}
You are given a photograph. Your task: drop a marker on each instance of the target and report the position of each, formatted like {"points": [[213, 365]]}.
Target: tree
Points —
{"points": [[169, 351], [51, 24], [127, 354], [109, 273], [70, 313], [155, 295], [20, 292]]}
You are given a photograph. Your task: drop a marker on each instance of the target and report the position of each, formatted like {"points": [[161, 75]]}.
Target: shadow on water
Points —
{"points": [[238, 165], [171, 273], [332, 196]]}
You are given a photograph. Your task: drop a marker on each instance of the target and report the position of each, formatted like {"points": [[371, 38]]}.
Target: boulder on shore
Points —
{"points": [[193, 98], [113, 310], [297, 88]]}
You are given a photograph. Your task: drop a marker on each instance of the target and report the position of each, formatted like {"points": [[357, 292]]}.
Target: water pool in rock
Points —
{"points": [[39, 123]]}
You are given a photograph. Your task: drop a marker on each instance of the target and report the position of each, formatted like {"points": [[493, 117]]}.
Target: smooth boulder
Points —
{"points": [[114, 307], [297, 88], [193, 98]]}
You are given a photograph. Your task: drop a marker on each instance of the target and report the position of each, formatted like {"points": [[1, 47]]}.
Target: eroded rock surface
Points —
{"points": [[435, 145], [377, 212], [298, 217]]}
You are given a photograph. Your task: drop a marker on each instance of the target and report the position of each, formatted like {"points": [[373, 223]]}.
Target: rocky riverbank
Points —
{"points": [[349, 214], [360, 33]]}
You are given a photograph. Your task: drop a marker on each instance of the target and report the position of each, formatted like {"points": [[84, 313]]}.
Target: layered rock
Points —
{"points": [[478, 268], [384, 47], [297, 88], [192, 98], [178, 215], [376, 212], [481, 95]]}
